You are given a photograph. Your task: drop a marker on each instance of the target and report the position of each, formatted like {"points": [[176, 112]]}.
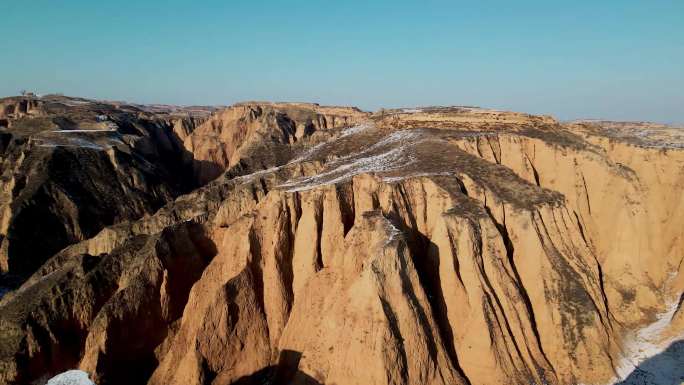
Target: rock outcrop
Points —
{"points": [[257, 132], [16, 108], [328, 245]]}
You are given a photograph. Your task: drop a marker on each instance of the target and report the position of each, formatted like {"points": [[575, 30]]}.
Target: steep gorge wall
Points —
{"points": [[300, 293], [63, 185], [626, 200], [277, 294], [383, 256]]}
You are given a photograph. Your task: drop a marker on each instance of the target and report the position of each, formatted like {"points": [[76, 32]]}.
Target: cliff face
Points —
{"points": [[441, 246], [71, 167]]}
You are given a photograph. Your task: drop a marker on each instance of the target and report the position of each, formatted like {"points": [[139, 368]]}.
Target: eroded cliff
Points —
{"points": [[440, 245]]}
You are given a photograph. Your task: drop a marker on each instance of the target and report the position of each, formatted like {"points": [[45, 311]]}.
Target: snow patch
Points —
{"points": [[75, 102], [640, 366], [73, 142], [80, 144], [305, 155], [242, 179], [101, 143], [356, 129], [655, 137], [393, 232], [411, 110], [401, 138], [84, 130], [71, 377], [388, 161]]}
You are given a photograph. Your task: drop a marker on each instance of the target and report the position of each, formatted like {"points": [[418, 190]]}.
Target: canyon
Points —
{"points": [[294, 243]]}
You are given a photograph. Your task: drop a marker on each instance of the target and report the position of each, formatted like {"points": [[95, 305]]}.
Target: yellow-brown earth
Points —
{"points": [[326, 245]]}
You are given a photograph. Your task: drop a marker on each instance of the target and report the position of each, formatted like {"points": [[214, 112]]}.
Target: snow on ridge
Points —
{"points": [[242, 179], [388, 154], [54, 138], [75, 102], [78, 143], [658, 137], [387, 161], [356, 129], [305, 155], [84, 130], [91, 146], [401, 138], [411, 110], [71, 377]]}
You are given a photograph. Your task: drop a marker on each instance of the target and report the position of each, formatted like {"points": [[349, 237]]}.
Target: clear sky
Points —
{"points": [[614, 59]]}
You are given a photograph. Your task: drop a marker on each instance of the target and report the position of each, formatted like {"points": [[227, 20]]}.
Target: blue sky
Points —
{"points": [[614, 59]]}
